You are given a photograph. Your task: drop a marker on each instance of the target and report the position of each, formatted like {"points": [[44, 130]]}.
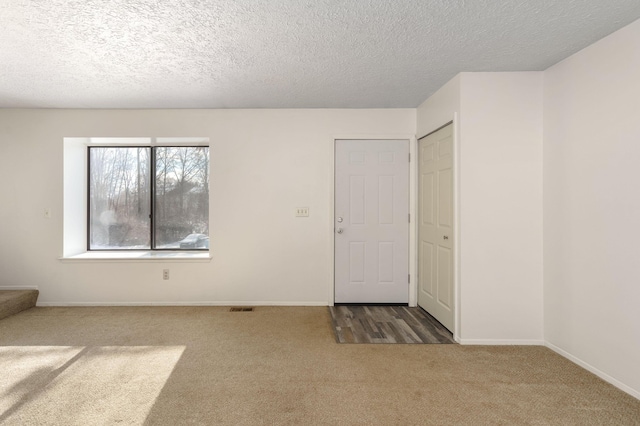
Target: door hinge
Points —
{"points": [[409, 217], [409, 278], [409, 157]]}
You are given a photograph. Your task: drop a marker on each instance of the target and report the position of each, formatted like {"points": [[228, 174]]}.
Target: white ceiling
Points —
{"points": [[279, 53]]}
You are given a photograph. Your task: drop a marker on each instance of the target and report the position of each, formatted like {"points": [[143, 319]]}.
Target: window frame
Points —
{"points": [[152, 146]]}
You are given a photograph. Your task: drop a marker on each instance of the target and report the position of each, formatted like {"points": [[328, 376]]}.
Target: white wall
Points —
{"points": [[592, 207], [499, 196], [501, 206], [264, 164], [439, 109]]}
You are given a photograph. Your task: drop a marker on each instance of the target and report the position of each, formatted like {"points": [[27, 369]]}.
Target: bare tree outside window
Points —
{"points": [[182, 194], [128, 210]]}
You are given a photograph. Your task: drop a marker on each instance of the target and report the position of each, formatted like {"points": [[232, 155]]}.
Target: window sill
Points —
{"points": [[138, 256]]}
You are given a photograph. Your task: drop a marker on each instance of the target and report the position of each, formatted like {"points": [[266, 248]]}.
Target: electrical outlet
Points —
{"points": [[165, 274], [302, 212]]}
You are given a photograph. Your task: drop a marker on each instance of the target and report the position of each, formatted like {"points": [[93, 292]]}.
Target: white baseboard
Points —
{"points": [[33, 287], [502, 342], [199, 303], [604, 376]]}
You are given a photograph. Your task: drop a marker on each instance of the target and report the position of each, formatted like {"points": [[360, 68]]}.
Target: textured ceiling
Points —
{"points": [[279, 53]]}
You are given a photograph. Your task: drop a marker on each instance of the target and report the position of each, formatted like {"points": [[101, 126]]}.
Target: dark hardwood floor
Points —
{"points": [[386, 324]]}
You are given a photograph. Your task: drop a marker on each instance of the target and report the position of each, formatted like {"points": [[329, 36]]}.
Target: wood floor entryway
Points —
{"points": [[386, 324]]}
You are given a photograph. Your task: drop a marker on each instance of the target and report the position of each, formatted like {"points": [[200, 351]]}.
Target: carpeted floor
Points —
{"points": [[276, 365]]}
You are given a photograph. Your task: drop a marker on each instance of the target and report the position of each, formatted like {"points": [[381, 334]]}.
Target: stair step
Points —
{"points": [[14, 301]]}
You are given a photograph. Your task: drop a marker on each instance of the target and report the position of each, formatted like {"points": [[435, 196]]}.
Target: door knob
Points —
{"points": [[339, 220], [339, 230], [445, 237]]}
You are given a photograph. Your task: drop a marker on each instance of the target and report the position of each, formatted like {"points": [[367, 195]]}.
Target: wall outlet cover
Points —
{"points": [[302, 212]]}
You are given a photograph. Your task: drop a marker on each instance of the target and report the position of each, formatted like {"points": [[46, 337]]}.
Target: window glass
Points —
{"points": [[119, 194], [182, 197], [129, 210]]}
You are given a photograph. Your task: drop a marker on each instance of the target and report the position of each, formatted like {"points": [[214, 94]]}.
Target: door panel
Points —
{"points": [[426, 266], [372, 226], [445, 216], [444, 277], [385, 262], [385, 200], [435, 248], [357, 200], [356, 262], [426, 187]]}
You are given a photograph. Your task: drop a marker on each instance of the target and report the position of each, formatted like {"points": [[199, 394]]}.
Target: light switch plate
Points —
{"points": [[302, 212]]}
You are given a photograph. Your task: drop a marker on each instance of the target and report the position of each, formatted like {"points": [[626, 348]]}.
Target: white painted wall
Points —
{"points": [[592, 207], [265, 163], [439, 109], [499, 195], [501, 207]]}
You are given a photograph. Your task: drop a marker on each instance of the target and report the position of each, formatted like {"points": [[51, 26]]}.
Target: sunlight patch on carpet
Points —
{"points": [[97, 385]]}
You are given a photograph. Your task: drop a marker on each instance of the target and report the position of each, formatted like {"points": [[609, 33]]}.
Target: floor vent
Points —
{"points": [[241, 309]]}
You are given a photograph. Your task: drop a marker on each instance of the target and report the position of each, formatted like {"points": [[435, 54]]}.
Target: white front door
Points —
{"points": [[435, 225], [372, 221]]}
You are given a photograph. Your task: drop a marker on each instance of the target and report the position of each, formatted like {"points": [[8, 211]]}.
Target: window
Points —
{"points": [[148, 198]]}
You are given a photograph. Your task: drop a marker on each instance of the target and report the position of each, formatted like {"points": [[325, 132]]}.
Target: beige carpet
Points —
{"points": [[277, 365]]}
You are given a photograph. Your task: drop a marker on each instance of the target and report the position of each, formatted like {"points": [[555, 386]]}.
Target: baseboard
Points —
{"points": [[502, 342], [604, 376], [28, 287], [199, 303]]}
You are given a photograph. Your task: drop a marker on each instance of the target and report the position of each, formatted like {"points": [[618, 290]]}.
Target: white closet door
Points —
{"points": [[435, 228]]}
